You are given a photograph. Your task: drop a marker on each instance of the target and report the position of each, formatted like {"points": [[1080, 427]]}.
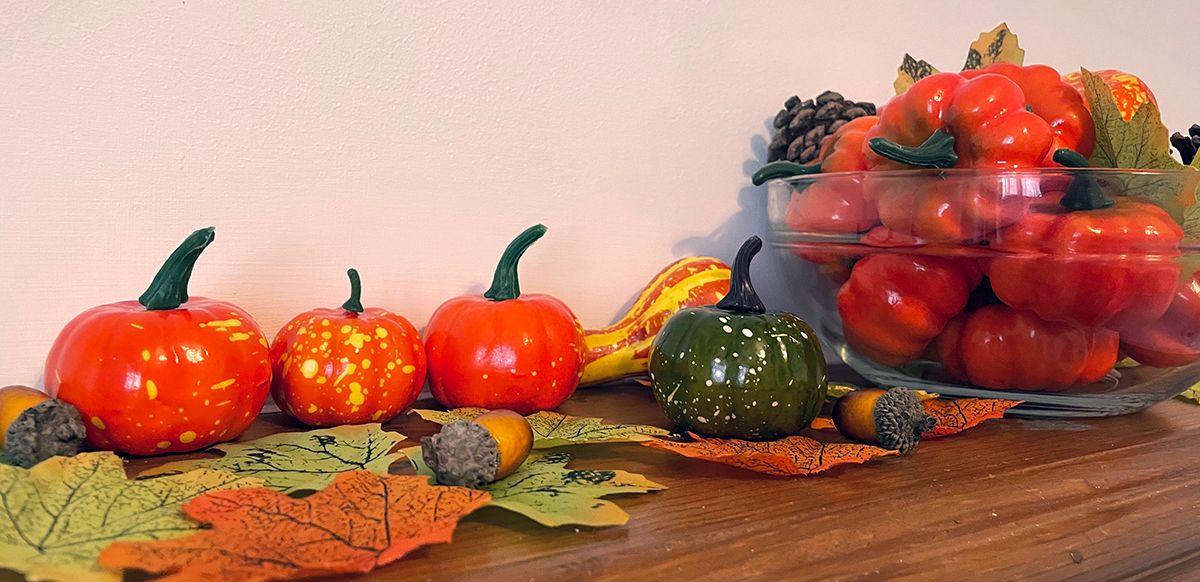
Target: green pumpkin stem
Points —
{"points": [[168, 290], [354, 303], [936, 152], [742, 297], [505, 285], [1084, 193], [783, 169]]}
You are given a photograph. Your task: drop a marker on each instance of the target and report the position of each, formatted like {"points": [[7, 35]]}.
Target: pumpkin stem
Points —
{"points": [[505, 285], [354, 303], [1084, 193], [783, 169], [742, 297], [168, 290], [936, 152]]}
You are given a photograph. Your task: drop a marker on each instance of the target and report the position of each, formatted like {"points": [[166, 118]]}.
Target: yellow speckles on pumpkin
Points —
{"points": [[366, 363], [356, 396], [151, 389], [345, 329], [322, 380], [380, 333], [96, 422], [376, 415], [324, 323], [391, 365], [224, 403], [187, 437], [411, 368], [309, 368], [350, 369], [312, 408], [326, 335], [223, 323], [136, 326], [383, 345], [145, 355], [163, 444], [223, 384], [238, 336], [206, 402], [303, 330], [357, 339], [263, 341]]}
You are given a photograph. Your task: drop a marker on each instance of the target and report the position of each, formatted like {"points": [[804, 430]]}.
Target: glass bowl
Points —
{"points": [[1073, 290]]}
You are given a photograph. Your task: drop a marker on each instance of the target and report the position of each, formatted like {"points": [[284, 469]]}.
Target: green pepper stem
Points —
{"points": [[936, 152], [742, 298], [505, 285], [354, 303], [168, 290], [1084, 193], [783, 169]]}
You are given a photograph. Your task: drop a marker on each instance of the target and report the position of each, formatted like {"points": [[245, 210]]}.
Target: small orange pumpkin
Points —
{"points": [[348, 365]]}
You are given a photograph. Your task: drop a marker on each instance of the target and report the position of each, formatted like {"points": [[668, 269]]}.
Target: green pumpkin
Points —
{"points": [[737, 370]]}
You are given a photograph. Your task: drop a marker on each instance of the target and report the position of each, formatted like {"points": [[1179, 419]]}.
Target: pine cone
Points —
{"points": [[801, 126], [1187, 145]]}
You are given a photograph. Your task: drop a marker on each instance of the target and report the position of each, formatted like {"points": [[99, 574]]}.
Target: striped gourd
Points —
{"points": [[623, 349]]}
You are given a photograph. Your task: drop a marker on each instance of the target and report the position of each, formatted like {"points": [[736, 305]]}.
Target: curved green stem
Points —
{"points": [[505, 285], [354, 303], [742, 297], [936, 152], [168, 290], [782, 169], [1084, 193]]}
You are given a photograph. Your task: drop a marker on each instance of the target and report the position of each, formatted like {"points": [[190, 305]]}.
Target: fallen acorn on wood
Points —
{"points": [[473, 453], [894, 419], [35, 427]]}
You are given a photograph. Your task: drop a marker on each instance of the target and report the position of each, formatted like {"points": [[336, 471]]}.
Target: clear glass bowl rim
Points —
{"points": [[986, 172]]}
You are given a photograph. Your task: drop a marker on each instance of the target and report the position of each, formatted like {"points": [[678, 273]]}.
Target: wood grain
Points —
{"points": [[1011, 499]]}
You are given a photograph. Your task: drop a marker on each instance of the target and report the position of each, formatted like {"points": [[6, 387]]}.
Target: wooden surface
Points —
{"points": [[1011, 499]]}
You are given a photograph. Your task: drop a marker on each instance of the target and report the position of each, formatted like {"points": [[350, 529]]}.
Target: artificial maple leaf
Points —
{"points": [[998, 45], [787, 457], [298, 461], [546, 491], [61, 513], [1191, 394], [551, 429], [357, 523], [957, 415]]}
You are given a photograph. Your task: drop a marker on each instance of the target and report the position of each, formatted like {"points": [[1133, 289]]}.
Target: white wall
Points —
{"points": [[412, 140]]}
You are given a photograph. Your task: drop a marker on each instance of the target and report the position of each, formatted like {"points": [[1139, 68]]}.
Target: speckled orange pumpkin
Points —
{"points": [[348, 365]]}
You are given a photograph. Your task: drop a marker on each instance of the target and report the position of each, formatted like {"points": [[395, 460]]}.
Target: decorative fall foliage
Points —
{"points": [[553, 429], [360, 522], [60, 514], [788, 457], [546, 491], [298, 461], [955, 416]]}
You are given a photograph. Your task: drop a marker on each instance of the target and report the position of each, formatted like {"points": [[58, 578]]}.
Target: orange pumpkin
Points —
{"points": [[348, 365], [1128, 90]]}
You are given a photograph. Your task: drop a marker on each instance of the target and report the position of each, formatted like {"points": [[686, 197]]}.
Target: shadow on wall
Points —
{"points": [[785, 282]]}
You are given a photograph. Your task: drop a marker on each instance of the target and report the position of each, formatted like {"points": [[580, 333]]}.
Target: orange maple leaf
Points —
{"points": [[787, 457], [360, 521], [955, 416]]}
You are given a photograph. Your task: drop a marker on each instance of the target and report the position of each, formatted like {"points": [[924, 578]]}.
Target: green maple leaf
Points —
{"points": [[1192, 394], [546, 491], [551, 429], [57, 517], [299, 461], [1142, 142]]}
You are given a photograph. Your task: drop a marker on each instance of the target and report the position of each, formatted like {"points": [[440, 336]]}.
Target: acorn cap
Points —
{"points": [[900, 420], [47, 429], [463, 454]]}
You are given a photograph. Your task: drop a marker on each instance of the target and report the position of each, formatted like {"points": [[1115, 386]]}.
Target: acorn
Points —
{"points": [[473, 453], [35, 427], [893, 419]]}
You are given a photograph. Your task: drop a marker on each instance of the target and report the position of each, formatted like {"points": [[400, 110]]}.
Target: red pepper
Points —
{"points": [[948, 120], [1052, 99], [1173, 340], [1089, 260], [894, 305], [999, 347]]}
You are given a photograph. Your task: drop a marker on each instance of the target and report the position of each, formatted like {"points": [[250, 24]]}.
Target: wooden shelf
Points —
{"points": [[1011, 499]]}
